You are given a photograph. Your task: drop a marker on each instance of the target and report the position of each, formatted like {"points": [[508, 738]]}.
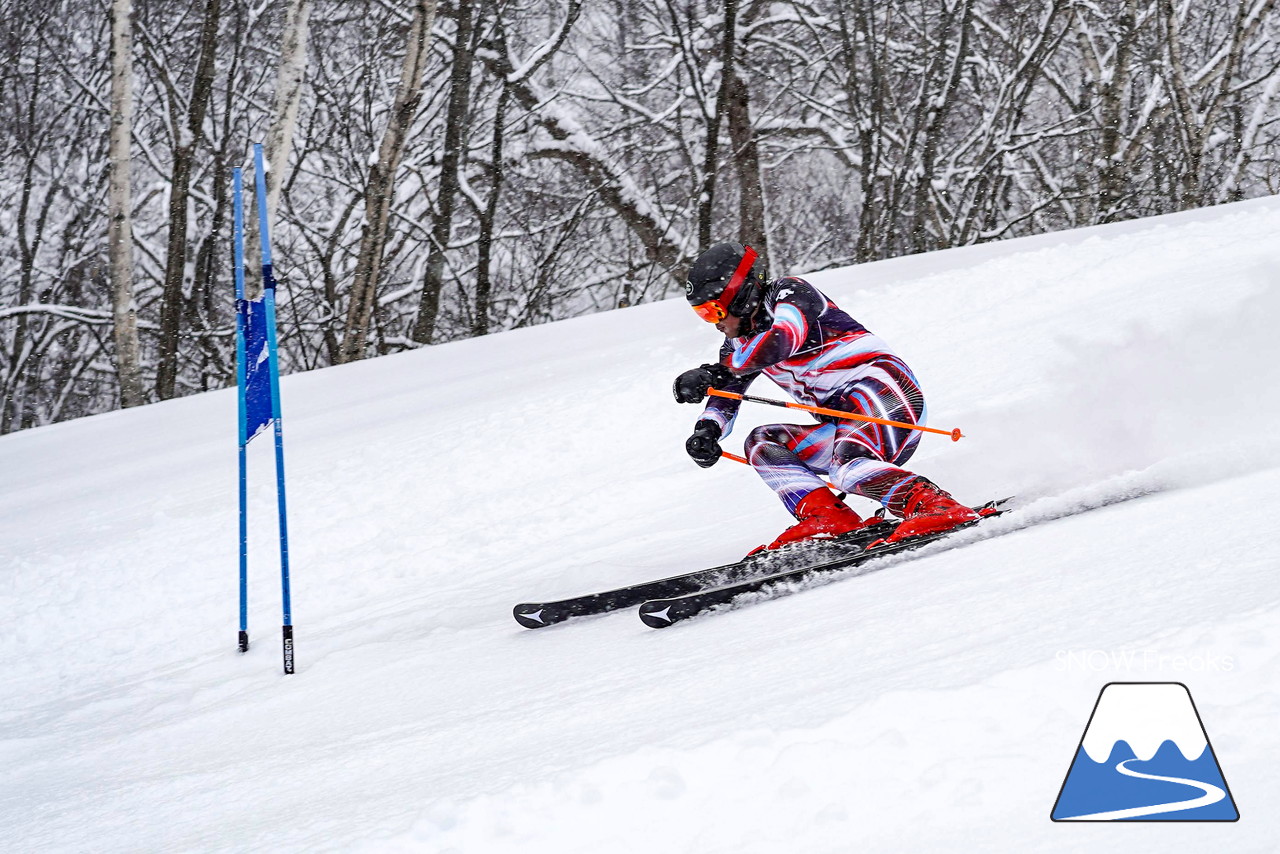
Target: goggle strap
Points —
{"points": [[739, 276]]}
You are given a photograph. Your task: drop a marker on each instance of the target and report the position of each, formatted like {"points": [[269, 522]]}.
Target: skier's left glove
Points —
{"points": [[702, 445], [692, 385]]}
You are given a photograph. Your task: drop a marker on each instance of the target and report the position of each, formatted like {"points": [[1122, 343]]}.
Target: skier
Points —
{"points": [[792, 333]]}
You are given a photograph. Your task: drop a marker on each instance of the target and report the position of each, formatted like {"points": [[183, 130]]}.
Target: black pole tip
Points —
{"points": [[287, 636]]}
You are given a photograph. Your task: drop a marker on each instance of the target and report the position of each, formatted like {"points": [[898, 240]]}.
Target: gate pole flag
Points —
{"points": [[258, 378]]}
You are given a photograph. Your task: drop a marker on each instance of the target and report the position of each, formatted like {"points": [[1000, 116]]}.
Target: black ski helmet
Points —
{"points": [[723, 279]]}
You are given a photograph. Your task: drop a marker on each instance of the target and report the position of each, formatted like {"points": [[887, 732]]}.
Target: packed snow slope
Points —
{"points": [[935, 704]]}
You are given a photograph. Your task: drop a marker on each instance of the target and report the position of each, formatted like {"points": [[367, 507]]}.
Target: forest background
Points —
{"points": [[446, 170]]}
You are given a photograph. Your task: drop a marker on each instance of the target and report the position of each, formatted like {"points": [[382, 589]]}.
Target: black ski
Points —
{"points": [[537, 615], [669, 610]]}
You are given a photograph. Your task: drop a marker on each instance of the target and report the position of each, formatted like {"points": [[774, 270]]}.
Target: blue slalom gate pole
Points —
{"points": [[238, 243], [269, 302]]}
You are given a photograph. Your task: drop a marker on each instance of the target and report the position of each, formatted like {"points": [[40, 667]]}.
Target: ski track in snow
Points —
{"points": [[928, 708], [1047, 509], [1210, 794]]}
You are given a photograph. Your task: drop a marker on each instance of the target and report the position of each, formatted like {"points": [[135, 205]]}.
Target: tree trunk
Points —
{"points": [[706, 201], [380, 186], [862, 69], [746, 160], [184, 149], [934, 111], [284, 116], [217, 366], [454, 141], [1115, 89], [488, 222], [119, 202]]}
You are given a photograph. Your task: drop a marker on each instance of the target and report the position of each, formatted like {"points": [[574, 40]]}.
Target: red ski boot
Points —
{"points": [[926, 509], [822, 517]]}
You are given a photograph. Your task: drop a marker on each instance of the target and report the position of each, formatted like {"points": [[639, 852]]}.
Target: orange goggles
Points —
{"points": [[715, 310], [711, 311]]}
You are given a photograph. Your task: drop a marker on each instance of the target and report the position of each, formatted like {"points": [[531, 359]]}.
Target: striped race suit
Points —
{"points": [[823, 357]]}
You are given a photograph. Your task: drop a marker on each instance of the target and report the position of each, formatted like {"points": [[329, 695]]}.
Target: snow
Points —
{"points": [[1120, 381]]}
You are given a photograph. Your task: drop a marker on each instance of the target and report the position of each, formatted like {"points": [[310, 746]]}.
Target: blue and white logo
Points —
{"points": [[1145, 756]]}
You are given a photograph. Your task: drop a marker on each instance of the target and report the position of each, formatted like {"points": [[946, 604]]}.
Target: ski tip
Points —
{"points": [[535, 616], [658, 614]]}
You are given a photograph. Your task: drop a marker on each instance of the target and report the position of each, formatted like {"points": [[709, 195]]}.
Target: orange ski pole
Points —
{"points": [[955, 434]]}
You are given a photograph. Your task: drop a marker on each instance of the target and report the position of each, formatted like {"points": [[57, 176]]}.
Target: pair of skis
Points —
{"points": [[667, 601]]}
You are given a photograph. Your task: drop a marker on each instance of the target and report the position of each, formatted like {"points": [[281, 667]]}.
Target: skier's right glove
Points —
{"points": [[702, 445], [692, 385]]}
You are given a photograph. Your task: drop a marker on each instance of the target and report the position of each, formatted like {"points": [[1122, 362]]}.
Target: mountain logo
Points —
{"points": [[1145, 756]]}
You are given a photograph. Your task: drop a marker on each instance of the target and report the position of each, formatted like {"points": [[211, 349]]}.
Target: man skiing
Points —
{"points": [[792, 333]]}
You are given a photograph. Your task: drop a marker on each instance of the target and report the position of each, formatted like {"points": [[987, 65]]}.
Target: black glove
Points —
{"points": [[702, 445], [691, 386]]}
